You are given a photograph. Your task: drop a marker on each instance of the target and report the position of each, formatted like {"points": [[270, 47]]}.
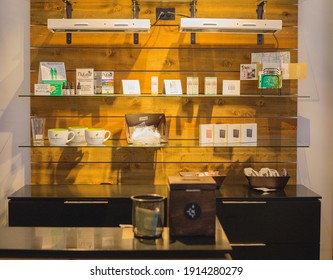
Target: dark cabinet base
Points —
{"points": [[272, 229], [281, 225], [292, 251], [70, 213]]}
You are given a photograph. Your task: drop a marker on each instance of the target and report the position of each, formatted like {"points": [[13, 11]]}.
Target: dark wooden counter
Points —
{"points": [[106, 243], [110, 205], [260, 225], [88, 191]]}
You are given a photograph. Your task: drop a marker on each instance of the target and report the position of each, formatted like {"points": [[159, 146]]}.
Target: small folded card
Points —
{"points": [[173, 87], [131, 87]]}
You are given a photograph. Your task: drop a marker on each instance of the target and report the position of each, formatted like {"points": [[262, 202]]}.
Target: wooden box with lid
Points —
{"points": [[192, 206]]}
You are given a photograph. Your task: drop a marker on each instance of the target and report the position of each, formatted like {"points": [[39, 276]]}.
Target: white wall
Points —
{"points": [[14, 111], [315, 163]]}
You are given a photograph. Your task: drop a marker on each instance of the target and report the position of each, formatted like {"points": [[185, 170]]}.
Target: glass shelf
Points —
{"points": [[181, 143], [254, 95]]}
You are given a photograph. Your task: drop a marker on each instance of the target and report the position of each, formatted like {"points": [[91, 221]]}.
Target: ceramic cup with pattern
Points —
{"points": [[97, 136], [60, 136], [79, 134]]}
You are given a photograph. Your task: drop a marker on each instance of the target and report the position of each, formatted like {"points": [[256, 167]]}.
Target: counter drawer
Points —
{"points": [[270, 221], [278, 251], [70, 213]]}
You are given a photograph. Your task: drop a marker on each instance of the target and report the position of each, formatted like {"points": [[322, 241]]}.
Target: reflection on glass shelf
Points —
{"points": [[182, 143], [168, 96]]}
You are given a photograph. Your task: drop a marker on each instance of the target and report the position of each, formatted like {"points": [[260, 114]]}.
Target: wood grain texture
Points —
{"points": [[139, 173], [168, 54]]}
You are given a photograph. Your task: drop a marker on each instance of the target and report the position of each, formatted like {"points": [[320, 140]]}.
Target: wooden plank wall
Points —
{"points": [[166, 53]]}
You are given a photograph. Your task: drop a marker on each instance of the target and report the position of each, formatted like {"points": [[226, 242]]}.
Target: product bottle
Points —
{"points": [[78, 89], [63, 89], [72, 89], [68, 90]]}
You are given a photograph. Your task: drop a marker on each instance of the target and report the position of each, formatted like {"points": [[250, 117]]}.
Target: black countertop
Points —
{"points": [[107, 243], [125, 191]]}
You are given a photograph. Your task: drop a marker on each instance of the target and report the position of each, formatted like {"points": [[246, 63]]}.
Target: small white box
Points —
{"points": [[192, 85], [234, 133], [220, 133], [206, 133], [42, 89], [249, 133], [154, 85], [231, 87], [85, 76], [210, 85]]}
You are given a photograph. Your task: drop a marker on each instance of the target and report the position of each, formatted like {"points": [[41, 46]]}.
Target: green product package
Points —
{"points": [[270, 78], [55, 86]]}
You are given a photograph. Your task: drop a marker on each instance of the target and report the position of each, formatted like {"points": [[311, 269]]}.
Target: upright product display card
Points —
{"points": [[131, 87], [248, 72], [172, 87], [54, 74], [85, 76]]}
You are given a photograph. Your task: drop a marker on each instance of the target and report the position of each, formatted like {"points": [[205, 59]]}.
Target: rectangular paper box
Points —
{"points": [[210, 85], [53, 74], [206, 133], [220, 133], [234, 133], [98, 82], [86, 78], [107, 82], [42, 89], [192, 85], [154, 85], [231, 87], [248, 132], [156, 120]]}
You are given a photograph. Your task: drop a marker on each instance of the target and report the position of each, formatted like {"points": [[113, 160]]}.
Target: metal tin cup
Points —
{"points": [[148, 215]]}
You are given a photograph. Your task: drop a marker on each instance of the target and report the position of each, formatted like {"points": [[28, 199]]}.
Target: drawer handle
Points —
{"points": [[248, 245], [244, 202], [86, 202]]}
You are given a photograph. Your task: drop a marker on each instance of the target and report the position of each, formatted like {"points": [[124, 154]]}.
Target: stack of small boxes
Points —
{"points": [[227, 133]]}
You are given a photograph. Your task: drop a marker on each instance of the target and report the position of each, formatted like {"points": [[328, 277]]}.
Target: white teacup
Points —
{"points": [[97, 136], [79, 134], [60, 136]]}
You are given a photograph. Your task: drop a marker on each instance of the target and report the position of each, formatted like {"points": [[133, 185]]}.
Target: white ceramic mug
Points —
{"points": [[60, 136], [79, 134], [97, 136]]}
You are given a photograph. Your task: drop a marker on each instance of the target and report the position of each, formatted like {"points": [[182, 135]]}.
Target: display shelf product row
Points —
{"points": [[180, 143], [147, 95]]}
